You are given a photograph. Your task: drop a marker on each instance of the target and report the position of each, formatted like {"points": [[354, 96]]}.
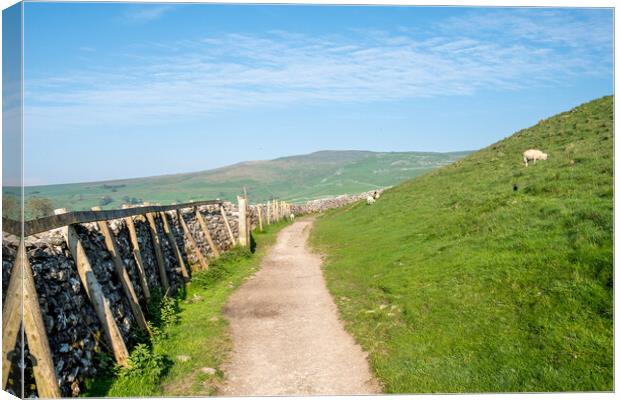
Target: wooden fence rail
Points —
{"points": [[44, 224]]}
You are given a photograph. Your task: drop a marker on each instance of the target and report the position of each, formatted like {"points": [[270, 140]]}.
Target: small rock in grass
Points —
{"points": [[183, 358], [196, 298], [208, 370]]}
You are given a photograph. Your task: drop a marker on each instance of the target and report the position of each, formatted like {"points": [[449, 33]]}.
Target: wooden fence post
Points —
{"points": [[260, 217], [243, 221], [157, 247], [122, 273], [203, 263], [205, 230], [269, 213], [43, 369], [95, 293], [280, 210], [133, 236], [12, 314], [175, 247], [230, 233]]}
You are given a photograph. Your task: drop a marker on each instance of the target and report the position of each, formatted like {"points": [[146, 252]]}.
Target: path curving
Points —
{"points": [[287, 338]]}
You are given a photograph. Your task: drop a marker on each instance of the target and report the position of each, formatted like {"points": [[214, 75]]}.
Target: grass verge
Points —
{"points": [[190, 339], [485, 275]]}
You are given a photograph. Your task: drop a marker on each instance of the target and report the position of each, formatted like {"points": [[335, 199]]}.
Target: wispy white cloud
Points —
{"points": [[143, 14], [192, 78], [591, 27]]}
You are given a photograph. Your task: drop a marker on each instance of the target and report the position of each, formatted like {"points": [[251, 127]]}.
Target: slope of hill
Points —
{"points": [[455, 282], [295, 179]]}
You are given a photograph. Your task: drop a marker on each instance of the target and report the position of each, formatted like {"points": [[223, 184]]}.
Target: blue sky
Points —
{"points": [[118, 90]]}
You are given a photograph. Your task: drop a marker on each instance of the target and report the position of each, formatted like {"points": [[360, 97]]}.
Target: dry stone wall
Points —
{"points": [[74, 331], [321, 205]]}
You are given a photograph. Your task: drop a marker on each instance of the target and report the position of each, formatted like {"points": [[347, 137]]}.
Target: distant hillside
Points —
{"points": [[485, 275], [296, 179]]}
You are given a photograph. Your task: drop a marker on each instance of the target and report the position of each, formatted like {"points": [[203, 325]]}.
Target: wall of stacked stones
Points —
{"points": [[312, 206], [74, 332], [321, 205]]}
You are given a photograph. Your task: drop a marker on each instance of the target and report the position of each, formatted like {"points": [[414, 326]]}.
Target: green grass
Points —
{"points": [[454, 282], [191, 326], [295, 179]]}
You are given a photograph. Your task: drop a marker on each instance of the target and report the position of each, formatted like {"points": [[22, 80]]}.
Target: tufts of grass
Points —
{"points": [[189, 333], [455, 282], [220, 268]]}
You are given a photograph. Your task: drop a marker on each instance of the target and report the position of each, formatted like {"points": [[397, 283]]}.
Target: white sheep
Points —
{"points": [[533, 154], [292, 217], [370, 200]]}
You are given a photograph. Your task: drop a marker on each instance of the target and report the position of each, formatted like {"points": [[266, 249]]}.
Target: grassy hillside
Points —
{"points": [[295, 179], [455, 282]]}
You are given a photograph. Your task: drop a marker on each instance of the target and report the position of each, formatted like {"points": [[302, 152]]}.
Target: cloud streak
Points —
{"points": [[190, 79], [144, 14]]}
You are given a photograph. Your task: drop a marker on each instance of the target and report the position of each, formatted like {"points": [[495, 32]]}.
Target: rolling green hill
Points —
{"points": [[455, 282], [295, 179]]}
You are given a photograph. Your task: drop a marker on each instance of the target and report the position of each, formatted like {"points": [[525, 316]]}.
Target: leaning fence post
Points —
{"points": [[205, 230], [122, 273], [95, 293], [203, 262], [157, 248], [12, 315], [38, 344], [133, 236], [260, 217], [230, 233], [173, 244]]}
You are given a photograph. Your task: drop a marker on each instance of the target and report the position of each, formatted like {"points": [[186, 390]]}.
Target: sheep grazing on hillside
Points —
{"points": [[376, 194], [370, 200], [533, 154]]}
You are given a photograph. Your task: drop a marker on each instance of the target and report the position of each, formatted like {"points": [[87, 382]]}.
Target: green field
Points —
{"points": [[455, 282], [295, 179]]}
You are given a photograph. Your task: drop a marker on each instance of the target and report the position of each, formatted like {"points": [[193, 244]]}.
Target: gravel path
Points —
{"points": [[287, 338]]}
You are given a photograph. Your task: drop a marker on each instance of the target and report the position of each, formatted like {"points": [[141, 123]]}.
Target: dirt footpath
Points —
{"points": [[287, 338]]}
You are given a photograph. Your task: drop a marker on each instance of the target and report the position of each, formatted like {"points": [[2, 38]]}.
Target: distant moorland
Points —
{"points": [[295, 179]]}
